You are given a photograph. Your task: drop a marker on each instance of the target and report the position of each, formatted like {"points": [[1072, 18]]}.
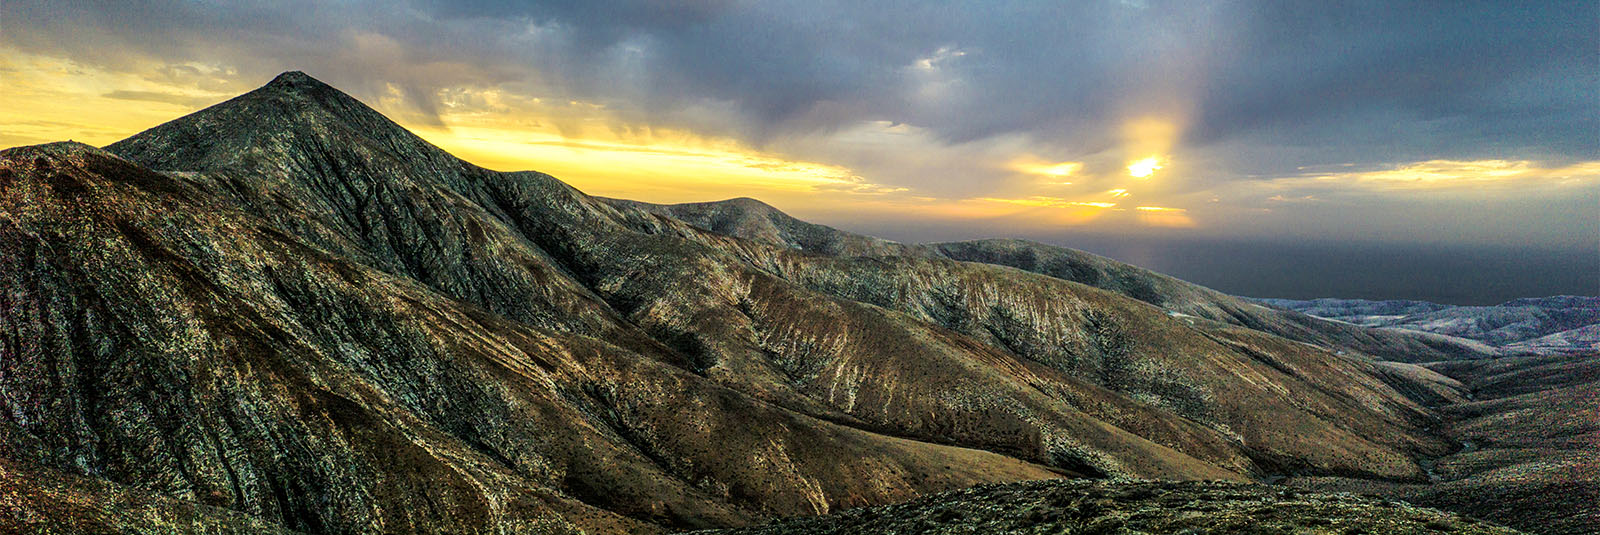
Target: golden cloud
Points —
{"points": [[1048, 202], [1162, 216], [1034, 165], [1448, 174]]}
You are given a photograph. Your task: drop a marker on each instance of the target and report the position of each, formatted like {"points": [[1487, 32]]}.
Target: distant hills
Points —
{"points": [[1565, 324], [286, 312]]}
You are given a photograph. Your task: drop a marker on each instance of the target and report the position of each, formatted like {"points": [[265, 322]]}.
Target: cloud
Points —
{"points": [[157, 96], [1064, 74], [1448, 174], [952, 101], [1053, 172]]}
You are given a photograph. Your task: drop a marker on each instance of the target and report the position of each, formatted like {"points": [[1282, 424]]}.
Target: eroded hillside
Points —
{"points": [[289, 307]]}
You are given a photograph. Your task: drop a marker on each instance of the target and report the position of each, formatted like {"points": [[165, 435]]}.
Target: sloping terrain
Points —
{"points": [[161, 341], [1068, 506], [35, 500], [1529, 453], [752, 220], [1539, 325], [288, 306], [1358, 311], [1580, 340], [1192, 299]]}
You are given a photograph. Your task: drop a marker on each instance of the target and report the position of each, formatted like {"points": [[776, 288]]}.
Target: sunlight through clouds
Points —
{"points": [[1145, 167]]}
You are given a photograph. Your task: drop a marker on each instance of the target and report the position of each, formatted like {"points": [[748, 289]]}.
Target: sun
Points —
{"points": [[1144, 168]]}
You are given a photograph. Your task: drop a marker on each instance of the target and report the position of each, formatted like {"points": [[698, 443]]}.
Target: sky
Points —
{"points": [[1352, 149]]}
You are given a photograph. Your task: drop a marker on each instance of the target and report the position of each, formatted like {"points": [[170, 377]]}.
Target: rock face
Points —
{"points": [[1067, 506], [288, 307]]}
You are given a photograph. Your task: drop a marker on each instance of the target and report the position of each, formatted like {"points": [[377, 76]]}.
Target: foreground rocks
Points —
{"points": [[1078, 506], [40, 501]]}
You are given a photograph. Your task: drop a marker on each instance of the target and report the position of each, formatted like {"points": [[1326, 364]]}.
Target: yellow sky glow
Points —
{"points": [[1145, 167], [44, 99], [1452, 174], [1033, 165]]}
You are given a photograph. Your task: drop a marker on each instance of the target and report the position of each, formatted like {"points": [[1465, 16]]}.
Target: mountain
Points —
{"points": [[289, 308], [1530, 325], [757, 221], [753, 220]]}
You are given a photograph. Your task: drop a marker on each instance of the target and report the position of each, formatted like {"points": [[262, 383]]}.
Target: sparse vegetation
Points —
{"points": [[1065, 506]]}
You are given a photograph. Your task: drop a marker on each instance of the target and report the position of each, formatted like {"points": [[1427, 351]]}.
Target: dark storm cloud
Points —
{"points": [[1383, 79], [1025, 67], [1414, 79], [1360, 81]]}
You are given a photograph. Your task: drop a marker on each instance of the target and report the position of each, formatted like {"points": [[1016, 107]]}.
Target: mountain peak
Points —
{"points": [[297, 82], [299, 85], [293, 78], [292, 116]]}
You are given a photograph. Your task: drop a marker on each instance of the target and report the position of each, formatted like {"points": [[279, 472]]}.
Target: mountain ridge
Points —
{"points": [[762, 222]]}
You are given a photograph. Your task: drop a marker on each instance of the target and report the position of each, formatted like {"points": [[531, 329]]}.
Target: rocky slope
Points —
{"points": [[160, 339], [752, 220], [1068, 506], [1569, 324], [289, 307], [35, 500], [1181, 297], [1527, 454]]}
